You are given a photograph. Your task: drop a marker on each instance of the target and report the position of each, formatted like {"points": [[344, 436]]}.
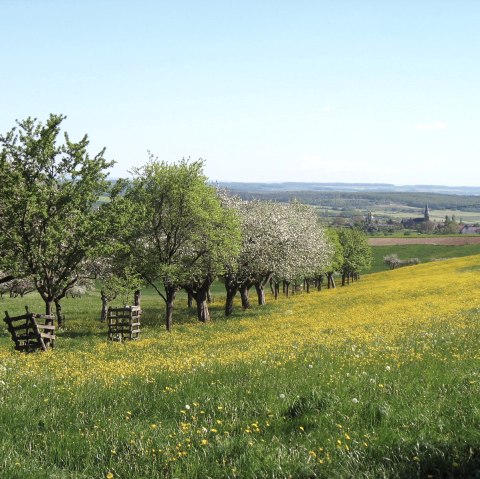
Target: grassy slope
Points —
{"points": [[379, 379], [422, 251]]}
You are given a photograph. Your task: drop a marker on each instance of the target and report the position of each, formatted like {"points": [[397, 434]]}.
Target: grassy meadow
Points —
{"points": [[377, 379], [425, 252]]}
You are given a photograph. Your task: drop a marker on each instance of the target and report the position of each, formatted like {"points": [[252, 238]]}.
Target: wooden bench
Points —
{"points": [[31, 331], [124, 323]]}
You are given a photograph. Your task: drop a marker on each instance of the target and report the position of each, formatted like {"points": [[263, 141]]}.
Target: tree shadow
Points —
{"points": [[443, 462], [67, 334]]}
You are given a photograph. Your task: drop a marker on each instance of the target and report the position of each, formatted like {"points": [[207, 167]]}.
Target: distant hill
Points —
{"points": [[363, 197], [348, 187]]}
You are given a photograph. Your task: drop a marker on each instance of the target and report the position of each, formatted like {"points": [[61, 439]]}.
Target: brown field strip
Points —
{"points": [[441, 240]]}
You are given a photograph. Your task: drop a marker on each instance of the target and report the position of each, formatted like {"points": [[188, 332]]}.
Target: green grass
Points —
{"points": [[416, 427], [424, 252], [292, 416]]}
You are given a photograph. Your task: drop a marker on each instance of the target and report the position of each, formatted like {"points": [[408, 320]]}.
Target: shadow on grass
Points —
{"points": [[443, 462], [155, 316], [68, 334]]}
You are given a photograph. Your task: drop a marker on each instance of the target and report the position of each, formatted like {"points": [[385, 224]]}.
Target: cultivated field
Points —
{"points": [[458, 240], [378, 379], [400, 212]]}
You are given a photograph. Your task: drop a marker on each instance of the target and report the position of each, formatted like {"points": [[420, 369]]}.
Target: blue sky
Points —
{"points": [[325, 90]]}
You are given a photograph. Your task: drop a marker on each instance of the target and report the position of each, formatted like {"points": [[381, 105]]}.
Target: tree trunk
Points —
{"points": [[189, 300], [286, 287], [48, 306], [307, 284], [200, 297], [137, 297], [58, 311], [202, 309], [104, 313], [209, 297], [276, 289], [260, 293], [330, 280], [231, 292], [170, 293], [343, 279], [200, 294], [244, 296]]}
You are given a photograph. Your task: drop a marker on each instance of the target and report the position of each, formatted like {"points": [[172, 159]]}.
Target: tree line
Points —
{"points": [[368, 200], [166, 227]]}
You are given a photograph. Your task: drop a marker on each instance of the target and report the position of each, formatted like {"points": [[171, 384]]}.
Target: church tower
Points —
{"points": [[426, 215]]}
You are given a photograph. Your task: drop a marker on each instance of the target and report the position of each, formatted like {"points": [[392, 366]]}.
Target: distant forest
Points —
{"points": [[366, 200]]}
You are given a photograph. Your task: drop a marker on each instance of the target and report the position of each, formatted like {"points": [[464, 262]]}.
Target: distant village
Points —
{"points": [[422, 224]]}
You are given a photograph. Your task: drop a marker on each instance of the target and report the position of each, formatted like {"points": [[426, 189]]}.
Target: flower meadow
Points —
{"points": [[377, 379]]}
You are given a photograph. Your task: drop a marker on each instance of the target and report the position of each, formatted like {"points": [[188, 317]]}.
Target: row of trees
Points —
{"points": [[167, 227]]}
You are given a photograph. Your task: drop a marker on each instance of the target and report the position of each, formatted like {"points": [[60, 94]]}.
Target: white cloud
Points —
{"points": [[327, 109]]}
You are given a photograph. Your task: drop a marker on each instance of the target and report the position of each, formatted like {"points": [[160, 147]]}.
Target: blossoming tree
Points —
{"points": [[279, 242]]}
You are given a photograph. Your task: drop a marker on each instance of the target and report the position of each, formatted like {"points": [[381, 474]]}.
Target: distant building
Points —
{"points": [[426, 214], [415, 223], [469, 230]]}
